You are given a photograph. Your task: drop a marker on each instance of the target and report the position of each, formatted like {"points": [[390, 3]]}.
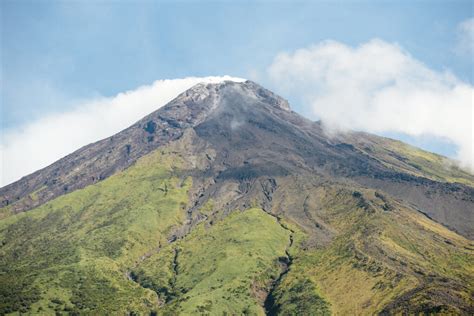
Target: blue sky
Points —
{"points": [[54, 53]]}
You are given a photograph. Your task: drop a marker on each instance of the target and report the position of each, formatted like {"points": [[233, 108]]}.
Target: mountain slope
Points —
{"points": [[227, 201], [250, 123], [99, 160]]}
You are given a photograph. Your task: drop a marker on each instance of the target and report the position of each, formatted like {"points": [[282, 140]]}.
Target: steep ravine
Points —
{"points": [[175, 268], [285, 262], [131, 275]]}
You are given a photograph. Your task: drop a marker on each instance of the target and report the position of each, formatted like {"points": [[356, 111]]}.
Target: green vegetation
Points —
{"points": [[104, 249], [375, 257], [223, 268], [417, 161], [334, 249], [72, 254], [298, 296]]}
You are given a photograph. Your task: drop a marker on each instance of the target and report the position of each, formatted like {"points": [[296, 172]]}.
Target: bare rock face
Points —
{"points": [[257, 140]]}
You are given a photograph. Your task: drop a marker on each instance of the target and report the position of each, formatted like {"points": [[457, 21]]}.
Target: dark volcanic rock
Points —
{"points": [[256, 137], [99, 160]]}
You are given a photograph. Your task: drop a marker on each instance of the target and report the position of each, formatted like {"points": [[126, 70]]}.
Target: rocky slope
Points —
{"points": [[226, 201], [253, 129]]}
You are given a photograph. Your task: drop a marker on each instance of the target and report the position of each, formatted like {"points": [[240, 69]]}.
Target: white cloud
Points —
{"points": [[465, 36], [379, 87], [41, 142]]}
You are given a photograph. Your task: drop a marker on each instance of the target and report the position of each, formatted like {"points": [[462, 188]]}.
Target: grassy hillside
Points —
{"points": [[73, 253], [382, 256], [335, 248], [223, 268], [104, 249], [413, 160]]}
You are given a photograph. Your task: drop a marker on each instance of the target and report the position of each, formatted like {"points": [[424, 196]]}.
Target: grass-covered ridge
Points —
{"points": [[406, 158], [73, 253], [382, 256], [225, 268]]}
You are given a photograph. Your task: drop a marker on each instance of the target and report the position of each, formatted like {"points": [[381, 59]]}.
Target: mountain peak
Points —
{"points": [[269, 96], [247, 88]]}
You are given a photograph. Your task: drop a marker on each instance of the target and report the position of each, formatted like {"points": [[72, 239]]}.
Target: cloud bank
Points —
{"points": [[41, 142], [378, 87]]}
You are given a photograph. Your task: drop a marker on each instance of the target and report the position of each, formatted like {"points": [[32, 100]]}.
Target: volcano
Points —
{"points": [[225, 201]]}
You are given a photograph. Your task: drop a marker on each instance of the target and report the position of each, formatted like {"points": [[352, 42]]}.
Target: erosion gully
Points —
{"points": [[269, 304]]}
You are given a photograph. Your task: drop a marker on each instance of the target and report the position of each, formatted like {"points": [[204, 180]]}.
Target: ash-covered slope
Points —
{"points": [[226, 201], [255, 139], [256, 134], [99, 160]]}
